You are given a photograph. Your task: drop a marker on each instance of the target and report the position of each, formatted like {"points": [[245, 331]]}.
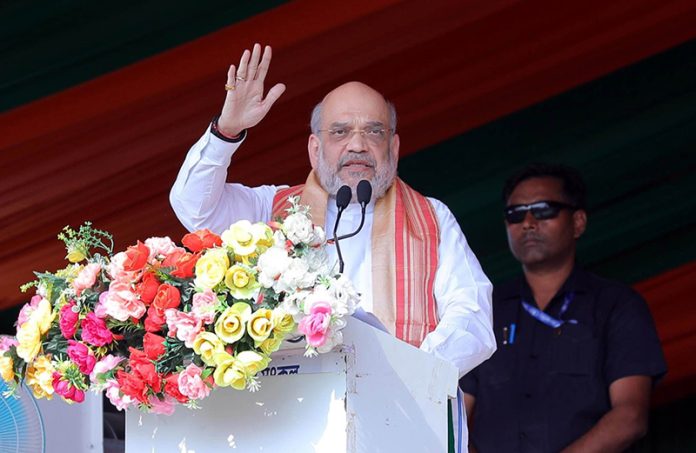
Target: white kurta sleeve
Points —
{"points": [[464, 334], [200, 196]]}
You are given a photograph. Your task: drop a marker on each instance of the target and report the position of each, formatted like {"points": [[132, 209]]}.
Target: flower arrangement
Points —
{"points": [[158, 324]]}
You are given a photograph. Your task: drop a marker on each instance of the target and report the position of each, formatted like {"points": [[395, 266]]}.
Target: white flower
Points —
{"points": [[296, 276], [279, 239], [346, 296], [317, 260], [299, 229], [272, 263], [319, 237], [292, 303], [320, 294]]}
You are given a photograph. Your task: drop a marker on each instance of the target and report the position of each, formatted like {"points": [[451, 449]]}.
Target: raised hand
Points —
{"points": [[245, 105]]}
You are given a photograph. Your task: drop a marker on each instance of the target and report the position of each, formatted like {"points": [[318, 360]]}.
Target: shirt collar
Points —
{"points": [[518, 288]]}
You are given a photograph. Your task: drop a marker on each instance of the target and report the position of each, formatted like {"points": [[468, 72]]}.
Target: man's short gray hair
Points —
{"points": [[315, 120]]}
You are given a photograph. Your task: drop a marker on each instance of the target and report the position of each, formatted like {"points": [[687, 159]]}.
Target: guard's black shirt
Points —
{"points": [[550, 386]]}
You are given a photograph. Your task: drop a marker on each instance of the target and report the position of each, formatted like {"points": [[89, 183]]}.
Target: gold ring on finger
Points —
{"points": [[229, 87], [240, 78]]}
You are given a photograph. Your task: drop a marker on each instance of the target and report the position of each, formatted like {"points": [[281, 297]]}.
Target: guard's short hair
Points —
{"points": [[573, 186]]}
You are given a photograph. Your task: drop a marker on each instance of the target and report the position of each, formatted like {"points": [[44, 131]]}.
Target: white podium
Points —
{"points": [[373, 394]]}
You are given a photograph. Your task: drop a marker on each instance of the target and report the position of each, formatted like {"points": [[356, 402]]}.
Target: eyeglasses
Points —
{"points": [[541, 210], [374, 135]]}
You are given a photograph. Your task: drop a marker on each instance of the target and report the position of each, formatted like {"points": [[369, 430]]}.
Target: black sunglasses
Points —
{"points": [[541, 210]]}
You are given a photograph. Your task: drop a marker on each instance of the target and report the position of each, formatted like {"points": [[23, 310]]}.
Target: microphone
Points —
{"points": [[364, 191], [343, 197]]}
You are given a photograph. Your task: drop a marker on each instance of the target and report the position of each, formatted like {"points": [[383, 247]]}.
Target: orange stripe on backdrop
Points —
{"points": [[671, 299], [108, 150]]}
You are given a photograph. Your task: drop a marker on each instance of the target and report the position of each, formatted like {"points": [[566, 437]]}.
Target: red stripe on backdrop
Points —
{"points": [[109, 149], [671, 299]]}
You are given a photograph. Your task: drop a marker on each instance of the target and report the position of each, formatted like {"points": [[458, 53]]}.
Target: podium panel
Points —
{"points": [[373, 394]]}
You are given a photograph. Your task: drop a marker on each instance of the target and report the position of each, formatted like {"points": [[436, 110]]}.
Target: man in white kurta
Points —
{"points": [[201, 198]]}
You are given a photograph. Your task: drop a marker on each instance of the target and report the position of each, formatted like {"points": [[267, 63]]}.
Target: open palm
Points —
{"points": [[245, 105]]}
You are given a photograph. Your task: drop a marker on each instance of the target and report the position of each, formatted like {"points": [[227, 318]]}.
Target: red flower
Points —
{"points": [[154, 320], [143, 367], [153, 345], [171, 388], [136, 257], [95, 332], [68, 320], [147, 288], [200, 240], [167, 297], [132, 385], [185, 265]]}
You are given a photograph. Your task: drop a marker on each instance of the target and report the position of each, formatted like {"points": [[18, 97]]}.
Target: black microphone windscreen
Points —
{"points": [[343, 197], [364, 191]]}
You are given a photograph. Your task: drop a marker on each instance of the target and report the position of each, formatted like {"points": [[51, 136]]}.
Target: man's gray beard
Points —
{"points": [[381, 181]]}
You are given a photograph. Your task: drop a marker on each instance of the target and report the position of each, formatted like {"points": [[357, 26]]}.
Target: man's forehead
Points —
{"points": [[537, 188], [354, 102]]}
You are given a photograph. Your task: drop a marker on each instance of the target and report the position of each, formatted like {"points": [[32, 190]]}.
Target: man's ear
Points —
{"points": [[579, 223], [395, 142], [313, 148]]}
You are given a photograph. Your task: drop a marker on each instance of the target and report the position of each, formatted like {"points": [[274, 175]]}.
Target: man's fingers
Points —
{"points": [[231, 74], [265, 63], [273, 95], [243, 63], [253, 62]]}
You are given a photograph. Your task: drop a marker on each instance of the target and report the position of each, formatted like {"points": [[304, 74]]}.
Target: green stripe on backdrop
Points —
{"points": [[631, 133], [48, 46]]}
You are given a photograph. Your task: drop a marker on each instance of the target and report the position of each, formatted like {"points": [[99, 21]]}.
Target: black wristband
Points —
{"points": [[216, 132]]}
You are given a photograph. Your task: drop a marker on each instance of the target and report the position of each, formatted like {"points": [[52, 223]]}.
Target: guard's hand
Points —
{"points": [[245, 105]]}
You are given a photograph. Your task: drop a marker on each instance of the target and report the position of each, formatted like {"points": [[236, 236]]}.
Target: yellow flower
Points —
{"points": [[251, 362], [240, 238], [75, 254], [43, 315], [228, 373], [264, 235], [229, 326], [206, 345], [29, 339], [39, 377], [241, 282], [283, 322], [260, 325], [7, 368], [271, 345], [211, 268]]}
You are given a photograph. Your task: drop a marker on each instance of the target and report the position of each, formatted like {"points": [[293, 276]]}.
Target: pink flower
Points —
{"points": [[100, 308], [117, 271], [86, 278], [204, 306], [66, 389], [82, 356], [191, 384], [106, 364], [26, 310], [185, 326], [164, 407], [160, 248], [113, 392], [6, 342], [68, 318], [121, 303], [95, 332], [315, 325]]}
